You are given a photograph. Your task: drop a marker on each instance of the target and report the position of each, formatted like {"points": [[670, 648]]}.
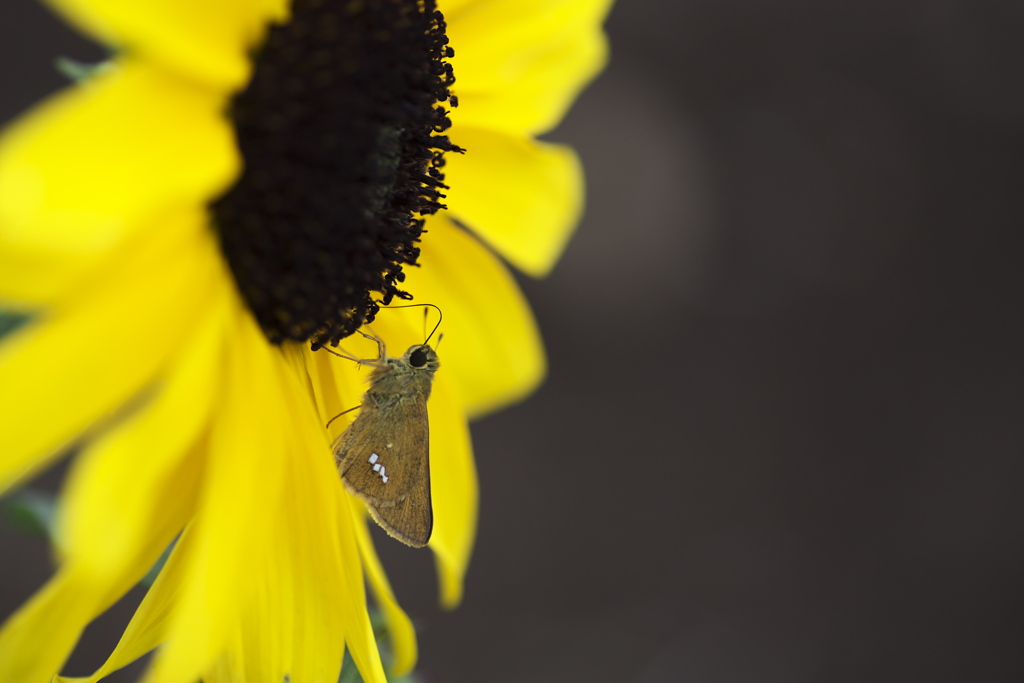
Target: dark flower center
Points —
{"points": [[340, 129]]}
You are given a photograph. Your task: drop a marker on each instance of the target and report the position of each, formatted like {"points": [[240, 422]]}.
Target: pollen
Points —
{"points": [[342, 134]]}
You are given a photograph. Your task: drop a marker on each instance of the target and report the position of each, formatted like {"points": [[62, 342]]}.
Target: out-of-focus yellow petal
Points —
{"points": [[274, 11], [114, 523], [337, 384], [147, 628], [520, 64], [116, 488], [327, 555], [523, 197], [242, 488], [538, 99], [111, 533], [492, 351], [105, 344], [400, 628], [98, 163], [77, 594], [58, 611], [295, 626], [451, 8], [273, 475], [358, 632], [30, 280], [202, 40], [454, 487]]}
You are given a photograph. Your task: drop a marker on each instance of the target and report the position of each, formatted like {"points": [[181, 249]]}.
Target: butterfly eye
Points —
{"points": [[418, 358]]}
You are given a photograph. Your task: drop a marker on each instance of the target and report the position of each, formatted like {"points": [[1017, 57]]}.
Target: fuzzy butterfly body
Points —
{"points": [[383, 456]]}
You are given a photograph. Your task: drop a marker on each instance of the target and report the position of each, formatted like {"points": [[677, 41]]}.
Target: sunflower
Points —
{"points": [[245, 182]]}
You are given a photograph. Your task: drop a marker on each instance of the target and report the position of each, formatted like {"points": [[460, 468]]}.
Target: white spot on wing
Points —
{"points": [[378, 466]]}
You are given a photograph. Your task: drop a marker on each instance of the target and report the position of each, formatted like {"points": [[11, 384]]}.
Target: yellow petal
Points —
{"points": [[92, 578], [202, 40], [34, 279], [451, 8], [37, 638], [400, 628], [520, 64], [237, 511], [142, 458], [272, 476], [275, 11], [359, 636], [246, 653], [523, 197], [336, 383], [147, 628], [492, 349], [454, 489], [96, 164], [77, 594], [538, 99], [75, 365], [110, 541], [333, 570], [296, 624]]}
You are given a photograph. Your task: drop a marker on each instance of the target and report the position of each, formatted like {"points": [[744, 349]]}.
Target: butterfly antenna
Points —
{"points": [[328, 425], [440, 316]]}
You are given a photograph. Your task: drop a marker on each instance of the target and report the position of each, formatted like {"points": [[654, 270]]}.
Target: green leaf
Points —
{"points": [[11, 321], [80, 71]]}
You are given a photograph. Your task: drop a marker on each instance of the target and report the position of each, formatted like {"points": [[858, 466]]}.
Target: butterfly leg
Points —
{"points": [[374, 362], [346, 356], [381, 353]]}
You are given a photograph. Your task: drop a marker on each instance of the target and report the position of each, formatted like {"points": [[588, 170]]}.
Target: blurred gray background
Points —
{"points": [[781, 437]]}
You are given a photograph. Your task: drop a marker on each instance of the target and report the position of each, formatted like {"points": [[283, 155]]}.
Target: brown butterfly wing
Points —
{"points": [[384, 460]]}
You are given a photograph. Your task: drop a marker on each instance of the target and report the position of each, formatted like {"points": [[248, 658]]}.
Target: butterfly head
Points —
{"points": [[421, 357]]}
